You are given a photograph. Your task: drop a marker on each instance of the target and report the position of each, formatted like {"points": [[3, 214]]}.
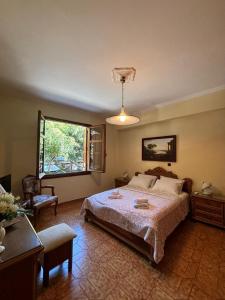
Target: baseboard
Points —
{"points": [[78, 199]]}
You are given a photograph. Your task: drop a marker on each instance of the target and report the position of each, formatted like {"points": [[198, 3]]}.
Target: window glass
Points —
{"points": [[65, 148]]}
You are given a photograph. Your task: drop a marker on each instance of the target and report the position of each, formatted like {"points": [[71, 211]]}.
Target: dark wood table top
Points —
{"points": [[123, 179], [20, 242], [210, 197]]}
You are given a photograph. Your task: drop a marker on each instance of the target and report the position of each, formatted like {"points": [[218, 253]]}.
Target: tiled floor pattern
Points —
{"points": [[104, 268]]}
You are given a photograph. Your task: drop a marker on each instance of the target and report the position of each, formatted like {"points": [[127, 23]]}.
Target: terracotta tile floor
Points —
{"points": [[104, 268]]}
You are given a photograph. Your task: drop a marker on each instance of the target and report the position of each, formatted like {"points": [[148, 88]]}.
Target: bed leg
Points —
{"points": [[152, 263]]}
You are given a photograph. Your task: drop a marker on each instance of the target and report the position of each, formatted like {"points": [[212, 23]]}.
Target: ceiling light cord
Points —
{"points": [[122, 82], [123, 75]]}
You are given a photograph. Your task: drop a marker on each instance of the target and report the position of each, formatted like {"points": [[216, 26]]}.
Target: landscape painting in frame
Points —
{"points": [[161, 148]]}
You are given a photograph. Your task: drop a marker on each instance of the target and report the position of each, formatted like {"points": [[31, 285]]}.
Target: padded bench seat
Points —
{"points": [[58, 247]]}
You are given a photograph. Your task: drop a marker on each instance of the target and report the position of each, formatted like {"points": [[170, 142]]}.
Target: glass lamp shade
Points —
{"points": [[122, 119]]}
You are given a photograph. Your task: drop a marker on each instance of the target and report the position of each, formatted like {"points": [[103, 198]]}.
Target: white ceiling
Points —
{"points": [[64, 50]]}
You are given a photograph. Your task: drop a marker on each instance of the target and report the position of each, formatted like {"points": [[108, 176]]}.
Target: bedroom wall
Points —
{"points": [[18, 128], [200, 147], [208, 100], [200, 134]]}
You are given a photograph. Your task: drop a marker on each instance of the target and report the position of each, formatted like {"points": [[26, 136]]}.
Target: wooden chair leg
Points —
{"points": [[38, 266], [36, 213], [86, 217], [70, 260], [45, 277], [70, 265], [56, 206]]}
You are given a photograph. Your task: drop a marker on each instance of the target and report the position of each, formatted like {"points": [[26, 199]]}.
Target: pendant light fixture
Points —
{"points": [[123, 75]]}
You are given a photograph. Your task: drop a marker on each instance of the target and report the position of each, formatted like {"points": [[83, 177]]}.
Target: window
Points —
{"points": [[66, 148]]}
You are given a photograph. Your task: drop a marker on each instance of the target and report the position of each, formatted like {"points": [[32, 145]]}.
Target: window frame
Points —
{"points": [[103, 147], [50, 176]]}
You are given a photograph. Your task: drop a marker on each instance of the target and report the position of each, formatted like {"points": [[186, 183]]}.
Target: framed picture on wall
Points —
{"points": [[161, 148]]}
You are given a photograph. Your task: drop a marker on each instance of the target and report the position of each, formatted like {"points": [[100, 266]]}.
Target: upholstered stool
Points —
{"points": [[58, 246]]}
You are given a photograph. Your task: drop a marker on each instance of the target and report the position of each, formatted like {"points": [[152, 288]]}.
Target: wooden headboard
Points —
{"points": [[158, 171]]}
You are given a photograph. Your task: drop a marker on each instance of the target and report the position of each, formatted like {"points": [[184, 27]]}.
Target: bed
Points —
{"points": [[145, 230]]}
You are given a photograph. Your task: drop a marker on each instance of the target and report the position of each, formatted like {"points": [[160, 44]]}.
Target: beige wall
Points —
{"points": [[18, 128], [195, 104], [200, 147], [200, 134]]}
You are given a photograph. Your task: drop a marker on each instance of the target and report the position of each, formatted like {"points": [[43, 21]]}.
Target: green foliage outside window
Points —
{"points": [[64, 147]]}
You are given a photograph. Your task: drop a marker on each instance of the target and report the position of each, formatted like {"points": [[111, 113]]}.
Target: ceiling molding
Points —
{"points": [[191, 96], [200, 104]]}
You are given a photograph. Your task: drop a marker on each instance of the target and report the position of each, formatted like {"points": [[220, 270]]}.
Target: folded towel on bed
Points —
{"points": [[116, 192], [141, 201], [142, 206], [115, 196]]}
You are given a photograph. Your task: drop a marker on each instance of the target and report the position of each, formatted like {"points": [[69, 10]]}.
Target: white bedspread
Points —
{"points": [[153, 224]]}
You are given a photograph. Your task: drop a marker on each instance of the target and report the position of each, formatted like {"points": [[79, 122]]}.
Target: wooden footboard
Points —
{"points": [[129, 238]]}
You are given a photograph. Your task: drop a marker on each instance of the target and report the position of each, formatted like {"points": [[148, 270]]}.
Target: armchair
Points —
{"points": [[33, 197]]}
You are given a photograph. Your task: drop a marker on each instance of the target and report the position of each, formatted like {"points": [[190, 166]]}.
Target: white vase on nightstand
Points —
{"points": [[2, 235]]}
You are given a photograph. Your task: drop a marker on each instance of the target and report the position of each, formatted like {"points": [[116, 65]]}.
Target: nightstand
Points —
{"points": [[208, 209], [121, 181]]}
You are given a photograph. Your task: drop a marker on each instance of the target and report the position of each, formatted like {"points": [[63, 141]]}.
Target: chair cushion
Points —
{"points": [[56, 236], [42, 200]]}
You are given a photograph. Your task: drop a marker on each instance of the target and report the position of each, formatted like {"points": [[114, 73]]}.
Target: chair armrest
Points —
{"points": [[29, 196], [49, 187]]}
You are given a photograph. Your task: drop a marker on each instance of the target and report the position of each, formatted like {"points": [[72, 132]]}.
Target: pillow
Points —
{"points": [[171, 179], [151, 177], [168, 179], [169, 187], [2, 190], [142, 182]]}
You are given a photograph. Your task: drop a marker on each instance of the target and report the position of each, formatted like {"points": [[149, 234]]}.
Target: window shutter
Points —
{"points": [[96, 148], [40, 145]]}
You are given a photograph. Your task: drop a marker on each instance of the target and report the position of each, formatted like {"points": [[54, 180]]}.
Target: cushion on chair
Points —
{"points": [[42, 200], [56, 236]]}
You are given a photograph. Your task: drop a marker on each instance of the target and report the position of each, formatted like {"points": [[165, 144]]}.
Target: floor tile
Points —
{"points": [[105, 268]]}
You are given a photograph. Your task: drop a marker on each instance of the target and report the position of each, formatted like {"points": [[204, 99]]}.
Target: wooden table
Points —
{"points": [[121, 181], [18, 263]]}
